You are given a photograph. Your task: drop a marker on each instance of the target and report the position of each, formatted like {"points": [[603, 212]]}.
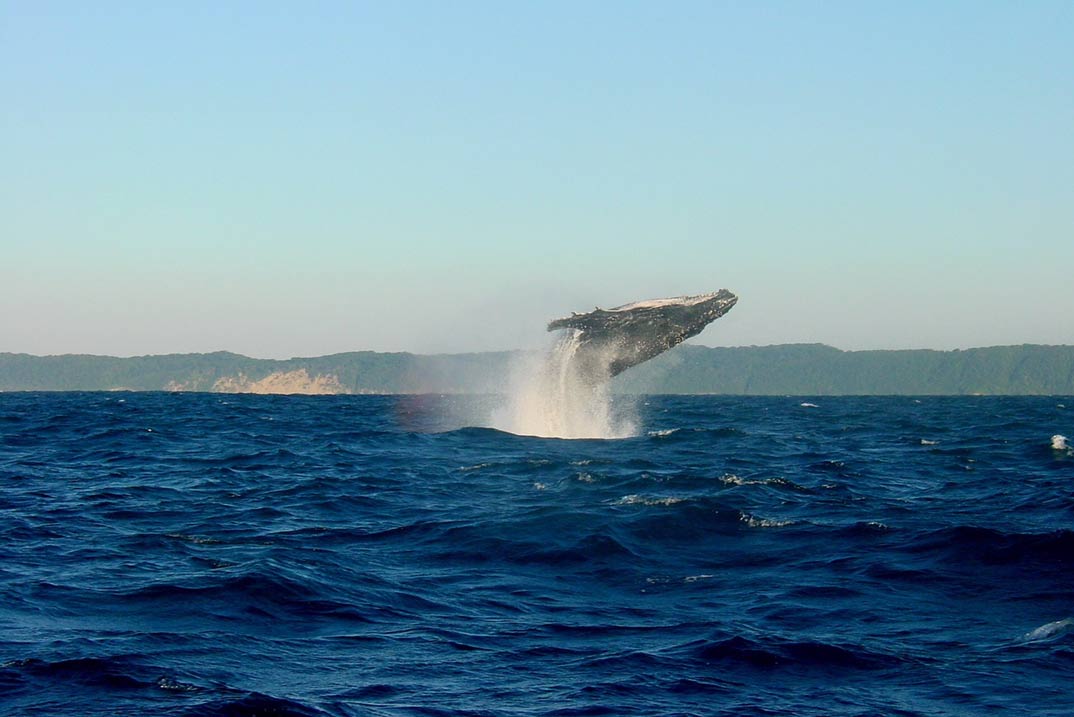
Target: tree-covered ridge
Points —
{"points": [[815, 369], [803, 369], [357, 372]]}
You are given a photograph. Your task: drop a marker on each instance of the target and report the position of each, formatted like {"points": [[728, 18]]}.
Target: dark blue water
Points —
{"points": [[179, 554]]}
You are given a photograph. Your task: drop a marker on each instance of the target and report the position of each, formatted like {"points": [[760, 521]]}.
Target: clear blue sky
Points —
{"points": [[306, 178]]}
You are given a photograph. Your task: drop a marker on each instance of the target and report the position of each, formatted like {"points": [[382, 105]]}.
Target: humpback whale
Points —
{"points": [[609, 341]]}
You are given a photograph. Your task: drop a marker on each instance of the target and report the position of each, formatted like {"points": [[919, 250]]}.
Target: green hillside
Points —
{"points": [[815, 369], [802, 369]]}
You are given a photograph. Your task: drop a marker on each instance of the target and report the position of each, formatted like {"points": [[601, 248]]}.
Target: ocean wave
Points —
{"points": [[864, 528], [254, 704], [110, 672], [701, 518], [777, 654], [35, 683], [514, 544], [252, 597], [333, 556], [1053, 549]]}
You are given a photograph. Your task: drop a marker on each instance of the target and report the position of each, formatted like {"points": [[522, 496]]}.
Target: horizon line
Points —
{"points": [[517, 350]]}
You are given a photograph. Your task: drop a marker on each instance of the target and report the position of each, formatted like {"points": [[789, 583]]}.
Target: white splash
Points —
{"points": [[1059, 443], [550, 396]]}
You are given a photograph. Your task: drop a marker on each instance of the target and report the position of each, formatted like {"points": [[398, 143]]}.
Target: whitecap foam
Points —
{"points": [[1050, 631], [196, 539], [1060, 443], [732, 479], [636, 499], [927, 442], [665, 432], [173, 685], [755, 522], [807, 404]]}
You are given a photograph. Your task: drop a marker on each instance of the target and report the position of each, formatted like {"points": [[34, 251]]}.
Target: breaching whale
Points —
{"points": [[609, 341]]}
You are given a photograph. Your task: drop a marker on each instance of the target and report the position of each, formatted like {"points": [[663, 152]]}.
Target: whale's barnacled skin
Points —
{"points": [[613, 340]]}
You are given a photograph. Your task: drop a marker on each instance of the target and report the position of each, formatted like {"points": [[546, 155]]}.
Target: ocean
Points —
{"points": [[205, 554]]}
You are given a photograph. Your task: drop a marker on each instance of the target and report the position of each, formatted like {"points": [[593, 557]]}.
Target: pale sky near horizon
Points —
{"points": [[307, 178]]}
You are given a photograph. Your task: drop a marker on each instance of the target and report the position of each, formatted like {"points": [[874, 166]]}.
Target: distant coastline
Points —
{"points": [[788, 369]]}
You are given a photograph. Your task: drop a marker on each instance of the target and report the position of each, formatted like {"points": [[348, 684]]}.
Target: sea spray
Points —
{"points": [[554, 395]]}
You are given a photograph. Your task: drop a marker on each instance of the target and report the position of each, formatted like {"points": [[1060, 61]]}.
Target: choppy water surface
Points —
{"points": [[179, 554]]}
